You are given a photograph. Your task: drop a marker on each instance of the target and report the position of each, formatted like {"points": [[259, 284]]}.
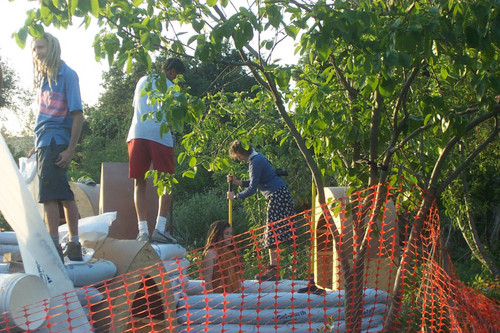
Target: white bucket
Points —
{"points": [[21, 297], [169, 251], [95, 270]]}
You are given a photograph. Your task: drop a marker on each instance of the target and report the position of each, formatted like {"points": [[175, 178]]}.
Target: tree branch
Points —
{"points": [[471, 157]]}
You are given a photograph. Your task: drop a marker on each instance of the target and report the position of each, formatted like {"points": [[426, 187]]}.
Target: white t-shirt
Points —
{"points": [[150, 128]]}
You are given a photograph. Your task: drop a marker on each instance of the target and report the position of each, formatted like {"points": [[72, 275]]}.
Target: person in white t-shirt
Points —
{"points": [[146, 146]]}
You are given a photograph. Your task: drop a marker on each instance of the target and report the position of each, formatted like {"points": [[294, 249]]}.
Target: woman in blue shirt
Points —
{"points": [[280, 206]]}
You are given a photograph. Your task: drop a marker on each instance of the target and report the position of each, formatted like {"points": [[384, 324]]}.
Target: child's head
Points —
{"points": [[46, 58], [219, 231], [237, 152], [173, 67]]}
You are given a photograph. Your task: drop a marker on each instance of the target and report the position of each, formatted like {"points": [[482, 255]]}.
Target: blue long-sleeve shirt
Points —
{"points": [[262, 176]]}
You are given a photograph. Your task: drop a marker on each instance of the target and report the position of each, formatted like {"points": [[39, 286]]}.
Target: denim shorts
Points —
{"points": [[53, 180]]}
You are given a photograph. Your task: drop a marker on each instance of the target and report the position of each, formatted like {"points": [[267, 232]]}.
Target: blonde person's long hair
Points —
{"points": [[49, 67]]}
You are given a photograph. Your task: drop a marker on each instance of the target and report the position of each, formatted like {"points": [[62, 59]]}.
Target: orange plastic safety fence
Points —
{"points": [[342, 268]]}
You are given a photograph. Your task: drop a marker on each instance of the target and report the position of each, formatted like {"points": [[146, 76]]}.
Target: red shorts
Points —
{"points": [[143, 152]]}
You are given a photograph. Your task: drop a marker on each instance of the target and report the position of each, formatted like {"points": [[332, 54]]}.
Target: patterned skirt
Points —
{"points": [[279, 227]]}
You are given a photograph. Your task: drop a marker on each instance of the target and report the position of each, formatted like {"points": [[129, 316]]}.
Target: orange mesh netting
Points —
{"points": [[349, 263]]}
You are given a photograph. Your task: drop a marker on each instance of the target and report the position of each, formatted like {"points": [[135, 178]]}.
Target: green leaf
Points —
{"points": [[211, 3], [73, 5], [198, 25], [161, 84], [21, 36], [387, 86], [292, 31], [444, 73], [274, 15], [189, 174], [94, 5], [283, 78], [181, 157], [192, 162], [129, 63]]}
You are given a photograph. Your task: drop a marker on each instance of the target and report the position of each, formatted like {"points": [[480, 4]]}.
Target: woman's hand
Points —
{"points": [[233, 180], [231, 195]]}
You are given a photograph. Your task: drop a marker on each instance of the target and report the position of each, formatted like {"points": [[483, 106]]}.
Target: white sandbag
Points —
{"points": [[96, 270], [176, 267], [176, 288], [5, 268], [246, 328], [27, 168], [92, 228], [368, 325], [253, 286], [169, 251], [8, 248], [8, 237], [269, 316], [89, 296], [194, 287], [281, 300]]}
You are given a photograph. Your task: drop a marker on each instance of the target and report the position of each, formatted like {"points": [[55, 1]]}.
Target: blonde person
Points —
{"points": [[221, 266], [57, 131], [148, 146], [280, 206]]}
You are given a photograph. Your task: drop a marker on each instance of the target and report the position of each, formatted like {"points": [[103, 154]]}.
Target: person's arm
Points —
{"points": [[66, 156], [208, 269], [255, 173]]}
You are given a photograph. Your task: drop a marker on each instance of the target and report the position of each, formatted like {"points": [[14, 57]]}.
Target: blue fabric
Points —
{"points": [[56, 104], [263, 177]]}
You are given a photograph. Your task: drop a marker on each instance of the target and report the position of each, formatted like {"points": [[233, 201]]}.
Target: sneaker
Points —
{"points": [[270, 274], [142, 237], [74, 251], [162, 237]]}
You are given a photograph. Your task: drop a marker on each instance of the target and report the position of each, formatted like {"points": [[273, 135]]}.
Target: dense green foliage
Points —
{"points": [[383, 90]]}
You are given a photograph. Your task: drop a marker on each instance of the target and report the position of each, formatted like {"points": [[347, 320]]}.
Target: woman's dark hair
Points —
{"points": [[173, 63], [235, 148], [215, 233]]}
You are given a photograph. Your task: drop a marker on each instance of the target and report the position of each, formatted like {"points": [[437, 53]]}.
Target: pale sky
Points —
{"points": [[76, 48]]}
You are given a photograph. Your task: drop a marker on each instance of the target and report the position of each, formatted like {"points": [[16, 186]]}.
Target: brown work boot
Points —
{"points": [[74, 251], [270, 274], [162, 237]]}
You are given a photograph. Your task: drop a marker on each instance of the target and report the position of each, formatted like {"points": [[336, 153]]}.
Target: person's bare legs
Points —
{"points": [[51, 217], [273, 256], [71, 214], [164, 203], [141, 209], [140, 200]]}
